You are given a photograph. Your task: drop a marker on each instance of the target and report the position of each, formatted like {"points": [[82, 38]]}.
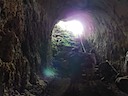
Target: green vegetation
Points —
{"points": [[61, 38]]}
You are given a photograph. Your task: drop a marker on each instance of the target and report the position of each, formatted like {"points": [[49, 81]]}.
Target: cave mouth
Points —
{"points": [[72, 31], [73, 26], [66, 35]]}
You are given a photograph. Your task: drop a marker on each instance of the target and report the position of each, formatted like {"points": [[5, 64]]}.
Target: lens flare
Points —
{"points": [[49, 72]]}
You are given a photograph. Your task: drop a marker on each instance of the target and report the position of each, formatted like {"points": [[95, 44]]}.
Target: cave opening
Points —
{"points": [[73, 31], [67, 34]]}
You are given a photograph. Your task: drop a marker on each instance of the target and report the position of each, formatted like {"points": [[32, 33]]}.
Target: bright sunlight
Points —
{"points": [[73, 26]]}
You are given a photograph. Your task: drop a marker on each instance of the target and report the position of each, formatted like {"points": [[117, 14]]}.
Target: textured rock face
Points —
{"points": [[23, 43], [111, 34], [25, 30], [13, 63]]}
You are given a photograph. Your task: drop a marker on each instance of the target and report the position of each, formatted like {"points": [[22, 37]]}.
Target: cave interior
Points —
{"points": [[29, 42]]}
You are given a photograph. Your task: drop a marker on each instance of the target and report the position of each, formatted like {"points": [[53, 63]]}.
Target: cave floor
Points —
{"points": [[61, 87]]}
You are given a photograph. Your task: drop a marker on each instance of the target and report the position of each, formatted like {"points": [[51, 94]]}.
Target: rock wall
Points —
{"points": [[111, 30], [13, 63], [24, 33]]}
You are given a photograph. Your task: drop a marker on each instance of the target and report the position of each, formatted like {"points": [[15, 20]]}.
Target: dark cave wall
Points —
{"points": [[24, 31], [110, 37], [13, 63]]}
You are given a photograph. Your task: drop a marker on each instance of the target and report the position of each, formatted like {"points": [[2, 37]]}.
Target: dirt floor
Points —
{"points": [[61, 87]]}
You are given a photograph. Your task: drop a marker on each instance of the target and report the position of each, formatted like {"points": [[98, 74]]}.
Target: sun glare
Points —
{"points": [[73, 26]]}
